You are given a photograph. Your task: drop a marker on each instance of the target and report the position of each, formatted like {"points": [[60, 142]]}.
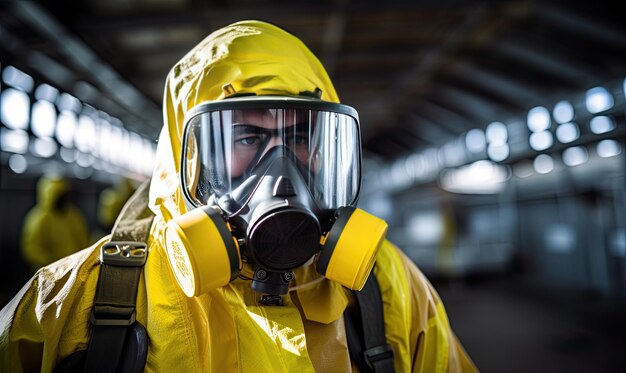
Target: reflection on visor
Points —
{"points": [[228, 151]]}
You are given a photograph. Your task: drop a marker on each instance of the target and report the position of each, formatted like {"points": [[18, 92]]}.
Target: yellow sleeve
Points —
{"points": [[21, 336], [49, 318], [435, 347]]}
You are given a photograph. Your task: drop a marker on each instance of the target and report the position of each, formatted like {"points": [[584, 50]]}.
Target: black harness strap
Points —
{"points": [[113, 315], [365, 330]]}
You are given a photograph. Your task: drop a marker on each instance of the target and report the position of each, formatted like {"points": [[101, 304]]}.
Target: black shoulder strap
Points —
{"points": [[118, 342], [365, 330]]}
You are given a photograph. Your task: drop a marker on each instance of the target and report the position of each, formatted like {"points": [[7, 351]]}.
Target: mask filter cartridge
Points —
{"points": [[202, 251], [350, 248]]}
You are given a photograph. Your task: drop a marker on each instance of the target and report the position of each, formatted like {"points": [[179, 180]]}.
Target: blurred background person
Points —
{"points": [[54, 227], [110, 203]]}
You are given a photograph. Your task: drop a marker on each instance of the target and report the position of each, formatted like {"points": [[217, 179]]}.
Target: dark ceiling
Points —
{"points": [[420, 73]]}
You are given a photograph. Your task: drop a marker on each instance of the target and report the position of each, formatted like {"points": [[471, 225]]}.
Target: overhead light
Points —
{"points": [[598, 99], [601, 124], [149, 158], [496, 133], [575, 156], [15, 109], [563, 112], [399, 174], [481, 177], [46, 92], [85, 136], [68, 102], [43, 147], [18, 163], [543, 164], [84, 159], [66, 128], [540, 140], [451, 154], [14, 141], [475, 140], [44, 118], [104, 140], [68, 155], [608, 148], [17, 78], [567, 132], [538, 119], [136, 148], [498, 153], [414, 163]]}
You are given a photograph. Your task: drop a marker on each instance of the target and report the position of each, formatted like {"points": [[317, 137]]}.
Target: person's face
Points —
{"points": [[255, 132]]}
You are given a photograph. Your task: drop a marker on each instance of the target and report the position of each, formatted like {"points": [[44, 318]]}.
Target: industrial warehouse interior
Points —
{"points": [[493, 137]]}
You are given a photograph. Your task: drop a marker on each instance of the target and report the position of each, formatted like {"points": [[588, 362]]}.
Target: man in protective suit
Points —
{"points": [[256, 249], [55, 227]]}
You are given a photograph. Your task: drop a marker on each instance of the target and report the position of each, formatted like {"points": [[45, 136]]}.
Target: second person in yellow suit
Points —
{"points": [[228, 328], [54, 228]]}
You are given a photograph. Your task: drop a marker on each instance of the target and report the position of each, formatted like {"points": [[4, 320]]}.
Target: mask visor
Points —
{"points": [[225, 142]]}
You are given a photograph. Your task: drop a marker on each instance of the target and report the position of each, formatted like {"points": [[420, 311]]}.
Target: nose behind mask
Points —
{"points": [[278, 227]]}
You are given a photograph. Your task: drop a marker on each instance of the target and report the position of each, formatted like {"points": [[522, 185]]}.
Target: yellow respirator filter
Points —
{"points": [[202, 252], [350, 248]]}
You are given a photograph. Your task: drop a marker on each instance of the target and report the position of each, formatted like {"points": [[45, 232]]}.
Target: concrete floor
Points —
{"points": [[507, 325]]}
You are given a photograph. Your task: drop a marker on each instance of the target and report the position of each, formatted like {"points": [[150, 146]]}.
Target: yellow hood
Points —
{"points": [[49, 190], [246, 55]]}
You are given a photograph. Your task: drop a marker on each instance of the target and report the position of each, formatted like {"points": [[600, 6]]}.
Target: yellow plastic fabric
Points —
{"points": [[227, 330], [49, 234]]}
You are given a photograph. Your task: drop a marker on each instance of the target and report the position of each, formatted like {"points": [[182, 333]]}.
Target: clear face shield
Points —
{"points": [[229, 145], [271, 182]]}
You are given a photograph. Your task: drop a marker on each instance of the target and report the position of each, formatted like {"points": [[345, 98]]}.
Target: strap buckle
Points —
{"points": [[124, 253], [112, 315], [376, 354]]}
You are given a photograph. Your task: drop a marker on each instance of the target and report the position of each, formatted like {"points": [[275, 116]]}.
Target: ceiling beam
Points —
{"points": [[518, 93], [427, 130], [398, 95], [546, 60], [585, 25], [479, 108], [455, 123]]}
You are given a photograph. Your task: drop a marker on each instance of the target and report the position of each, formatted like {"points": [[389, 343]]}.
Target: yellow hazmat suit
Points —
{"points": [[227, 329], [51, 232]]}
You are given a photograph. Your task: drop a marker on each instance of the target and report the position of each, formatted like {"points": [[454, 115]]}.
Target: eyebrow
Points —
{"points": [[239, 129], [242, 128]]}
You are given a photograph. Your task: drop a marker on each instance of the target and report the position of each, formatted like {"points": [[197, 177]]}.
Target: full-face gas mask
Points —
{"points": [[271, 181]]}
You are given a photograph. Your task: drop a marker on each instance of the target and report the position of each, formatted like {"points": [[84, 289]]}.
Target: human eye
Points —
{"points": [[297, 136], [301, 140], [248, 140], [247, 136]]}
